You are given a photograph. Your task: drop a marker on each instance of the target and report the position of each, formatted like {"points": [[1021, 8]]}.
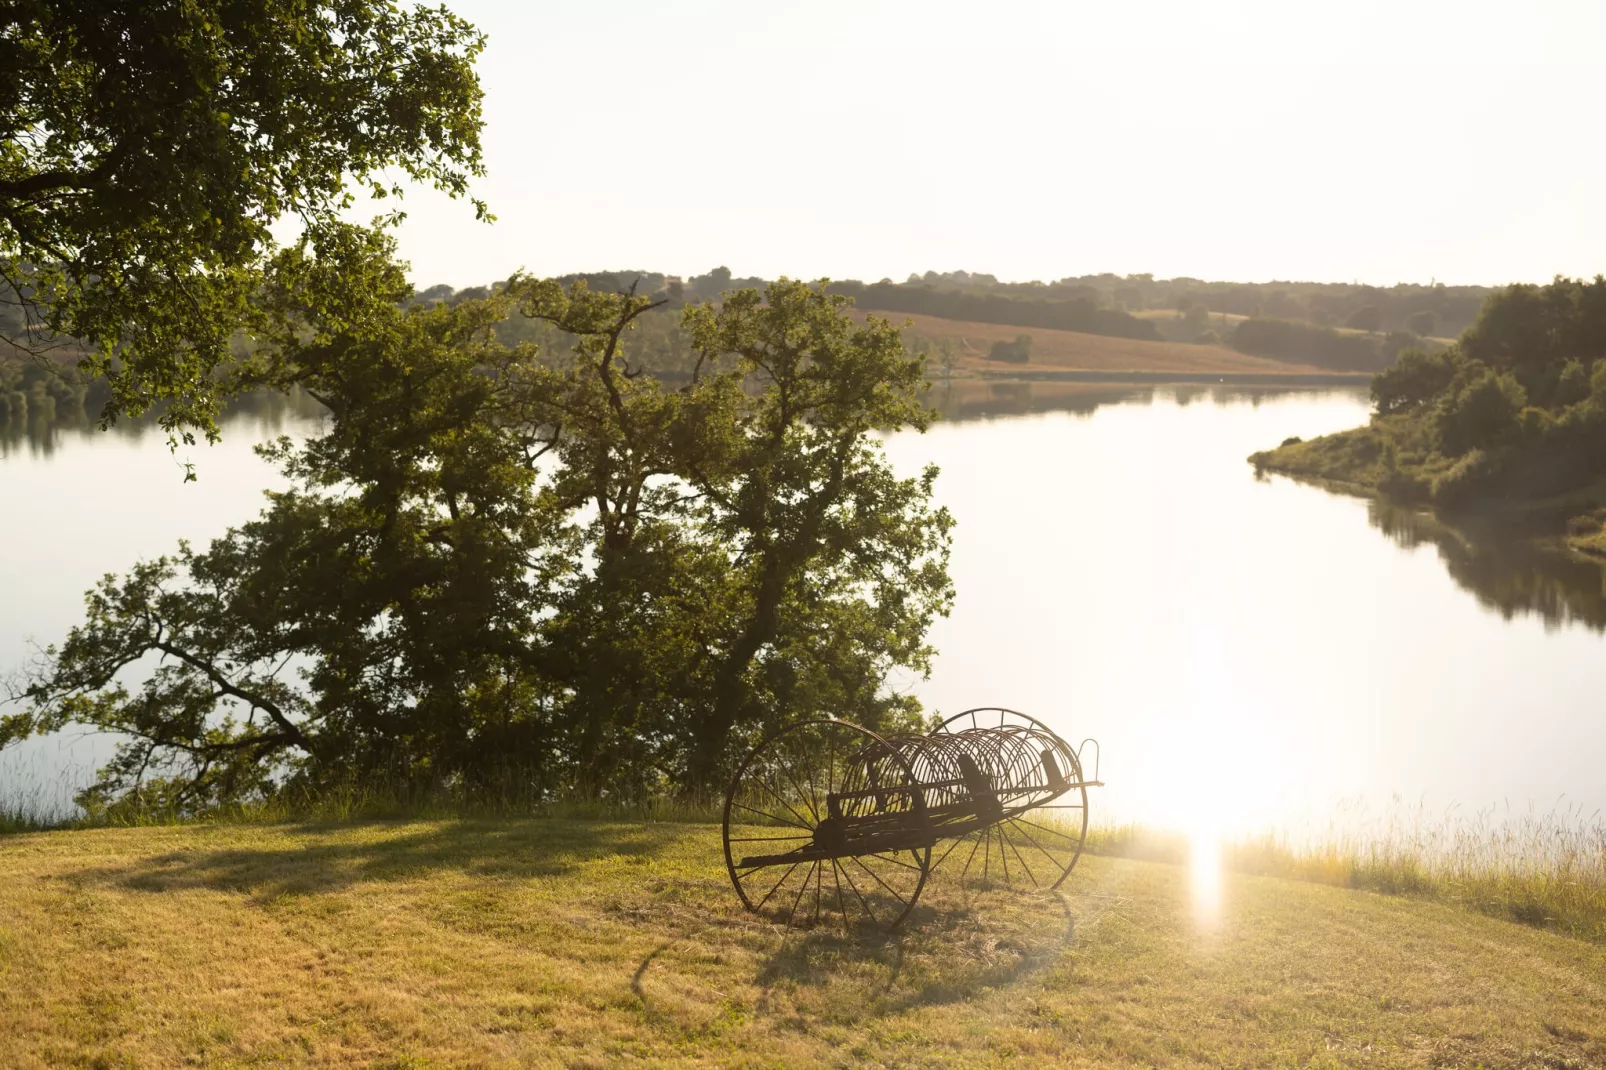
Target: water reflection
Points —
{"points": [[1510, 576], [964, 400], [1249, 652], [43, 433]]}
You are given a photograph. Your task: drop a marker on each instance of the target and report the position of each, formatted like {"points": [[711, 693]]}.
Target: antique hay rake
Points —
{"points": [[827, 818]]}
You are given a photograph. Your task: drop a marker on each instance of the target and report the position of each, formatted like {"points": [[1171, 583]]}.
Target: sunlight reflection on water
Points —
{"points": [[1250, 651]]}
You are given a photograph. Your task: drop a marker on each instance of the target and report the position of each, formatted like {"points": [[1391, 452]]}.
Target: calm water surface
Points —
{"points": [[1251, 652]]}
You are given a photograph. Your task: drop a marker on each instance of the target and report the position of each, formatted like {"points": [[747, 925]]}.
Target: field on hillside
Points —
{"points": [[1223, 323], [1072, 351], [542, 942]]}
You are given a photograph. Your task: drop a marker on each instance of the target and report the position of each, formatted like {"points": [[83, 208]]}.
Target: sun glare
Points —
{"points": [[1204, 877]]}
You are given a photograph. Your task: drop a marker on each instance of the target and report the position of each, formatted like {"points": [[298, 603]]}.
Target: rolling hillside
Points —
{"points": [[1069, 351]]}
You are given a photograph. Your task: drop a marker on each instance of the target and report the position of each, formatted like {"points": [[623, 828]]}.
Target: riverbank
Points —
{"points": [[570, 943], [1513, 492]]}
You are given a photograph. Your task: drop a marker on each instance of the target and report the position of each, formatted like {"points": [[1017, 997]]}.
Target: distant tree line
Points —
{"points": [[1511, 417], [1421, 309]]}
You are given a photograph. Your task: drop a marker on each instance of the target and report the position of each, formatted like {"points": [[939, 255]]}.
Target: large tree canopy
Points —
{"points": [[500, 566], [149, 146]]}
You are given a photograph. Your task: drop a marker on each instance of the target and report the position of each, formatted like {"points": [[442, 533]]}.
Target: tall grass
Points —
{"points": [[1546, 870]]}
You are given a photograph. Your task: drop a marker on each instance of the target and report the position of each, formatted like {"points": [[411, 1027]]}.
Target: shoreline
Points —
{"points": [[1204, 378], [1521, 524]]}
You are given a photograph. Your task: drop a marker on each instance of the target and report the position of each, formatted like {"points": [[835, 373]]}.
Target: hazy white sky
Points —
{"points": [[1333, 141]]}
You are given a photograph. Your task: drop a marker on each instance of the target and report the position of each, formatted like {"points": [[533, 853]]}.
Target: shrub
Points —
{"points": [[1416, 379], [1304, 344], [1365, 318], [1477, 411], [1475, 470], [1017, 352], [1588, 524], [1535, 423], [1573, 385]]}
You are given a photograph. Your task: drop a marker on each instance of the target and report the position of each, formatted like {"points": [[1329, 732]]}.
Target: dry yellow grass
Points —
{"points": [[564, 943]]}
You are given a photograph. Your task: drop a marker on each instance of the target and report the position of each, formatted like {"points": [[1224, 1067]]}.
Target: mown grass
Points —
{"points": [[547, 942], [1544, 870]]}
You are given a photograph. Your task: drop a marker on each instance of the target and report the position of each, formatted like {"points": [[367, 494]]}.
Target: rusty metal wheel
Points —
{"points": [[1037, 847], [824, 824]]}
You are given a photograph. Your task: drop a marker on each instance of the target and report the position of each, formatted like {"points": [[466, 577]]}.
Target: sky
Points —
{"points": [[1381, 143]]}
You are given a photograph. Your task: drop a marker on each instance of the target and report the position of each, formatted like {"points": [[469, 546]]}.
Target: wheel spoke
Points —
{"points": [[760, 904], [786, 804], [1051, 831], [807, 800], [1004, 832], [976, 847], [951, 845], [1041, 850], [798, 898], [868, 912], [774, 817], [888, 858], [878, 879]]}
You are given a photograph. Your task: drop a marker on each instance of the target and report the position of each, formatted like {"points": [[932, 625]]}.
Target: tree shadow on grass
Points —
{"points": [[943, 953], [319, 859]]}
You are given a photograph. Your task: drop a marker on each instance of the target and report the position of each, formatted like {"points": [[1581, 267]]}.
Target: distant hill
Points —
{"points": [[970, 346], [1324, 326]]}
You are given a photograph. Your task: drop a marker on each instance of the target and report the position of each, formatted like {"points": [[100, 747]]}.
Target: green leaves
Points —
{"points": [[505, 566], [148, 151]]}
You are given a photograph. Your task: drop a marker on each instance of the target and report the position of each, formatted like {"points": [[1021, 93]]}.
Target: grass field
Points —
{"points": [[1070, 350], [543, 942]]}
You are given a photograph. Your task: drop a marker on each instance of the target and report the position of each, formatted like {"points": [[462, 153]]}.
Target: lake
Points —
{"points": [[1251, 652]]}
